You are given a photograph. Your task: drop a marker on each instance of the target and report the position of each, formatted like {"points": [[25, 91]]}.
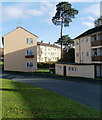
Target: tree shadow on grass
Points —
{"points": [[33, 104], [27, 107], [7, 89]]}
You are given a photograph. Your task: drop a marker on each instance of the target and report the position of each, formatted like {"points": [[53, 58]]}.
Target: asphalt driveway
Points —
{"points": [[85, 93]]}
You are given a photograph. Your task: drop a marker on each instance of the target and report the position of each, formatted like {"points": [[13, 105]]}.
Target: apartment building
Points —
{"points": [[20, 50], [88, 46], [88, 49], [88, 54], [47, 52]]}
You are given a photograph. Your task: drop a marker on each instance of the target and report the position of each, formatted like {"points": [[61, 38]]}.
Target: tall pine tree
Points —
{"points": [[63, 16]]}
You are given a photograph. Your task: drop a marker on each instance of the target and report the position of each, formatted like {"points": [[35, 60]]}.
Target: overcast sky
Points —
{"points": [[36, 18]]}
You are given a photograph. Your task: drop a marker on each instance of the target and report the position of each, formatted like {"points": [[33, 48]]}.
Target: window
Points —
{"points": [[29, 52], [69, 68], [82, 40], [77, 43], [77, 54], [75, 69], [29, 40], [72, 69], [95, 37], [29, 65], [87, 53], [86, 39], [95, 53], [82, 53]]}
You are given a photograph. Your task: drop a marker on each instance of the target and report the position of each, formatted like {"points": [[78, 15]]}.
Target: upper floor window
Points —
{"points": [[101, 36], [86, 39], [77, 54], [29, 65], [87, 53], [82, 40], [82, 53], [77, 43], [95, 37], [29, 52], [29, 40], [95, 53]]}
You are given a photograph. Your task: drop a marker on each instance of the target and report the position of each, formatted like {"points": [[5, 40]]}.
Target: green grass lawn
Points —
{"points": [[1, 63], [43, 70], [20, 100]]}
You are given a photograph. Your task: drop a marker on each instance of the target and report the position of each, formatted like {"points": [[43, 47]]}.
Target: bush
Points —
{"points": [[46, 65], [68, 56]]}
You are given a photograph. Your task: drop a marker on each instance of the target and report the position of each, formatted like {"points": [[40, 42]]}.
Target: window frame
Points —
{"points": [[29, 51], [77, 54], [87, 53], [28, 65], [77, 43], [29, 40]]}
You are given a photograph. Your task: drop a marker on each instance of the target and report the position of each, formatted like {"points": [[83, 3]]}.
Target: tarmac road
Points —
{"points": [[85, 93]]}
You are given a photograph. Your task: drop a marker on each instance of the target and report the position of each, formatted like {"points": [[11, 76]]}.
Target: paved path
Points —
{"points": [[85, 93]]}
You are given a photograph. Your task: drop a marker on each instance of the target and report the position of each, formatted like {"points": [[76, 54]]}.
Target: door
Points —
{"points": [[101, 71], [64, 70], [98, 70]]}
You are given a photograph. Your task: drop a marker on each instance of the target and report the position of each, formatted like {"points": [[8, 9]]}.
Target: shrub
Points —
{"points": [[46, 65]]}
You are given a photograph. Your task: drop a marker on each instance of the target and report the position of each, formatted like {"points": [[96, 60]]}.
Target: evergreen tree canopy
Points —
{"points": [[68, 56], [64, 14]]}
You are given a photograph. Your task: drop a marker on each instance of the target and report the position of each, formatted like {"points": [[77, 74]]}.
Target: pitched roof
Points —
{"points": [[47, 44], [23, 29], [90, 31]]}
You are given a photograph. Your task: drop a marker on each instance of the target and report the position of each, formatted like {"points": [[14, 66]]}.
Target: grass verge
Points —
{"points": [[43, 70], [20, 100], [1, 63]]}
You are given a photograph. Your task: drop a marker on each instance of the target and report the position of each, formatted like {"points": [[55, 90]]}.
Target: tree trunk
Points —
{"points": [[61, 50], [61, 37]]}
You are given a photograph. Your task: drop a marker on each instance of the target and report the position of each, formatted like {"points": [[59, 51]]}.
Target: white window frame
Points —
{"points": [[29, 40], [29, 66], [77, 54], [28, 52], [77, 43], [87, 53]]}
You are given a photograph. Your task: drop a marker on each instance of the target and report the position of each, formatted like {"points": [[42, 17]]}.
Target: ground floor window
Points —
{"points": [[29, 52], [29, 65]]}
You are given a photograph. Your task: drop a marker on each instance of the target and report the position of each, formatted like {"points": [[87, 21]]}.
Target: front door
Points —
{"points": [[64, 70], [98, 70]]}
